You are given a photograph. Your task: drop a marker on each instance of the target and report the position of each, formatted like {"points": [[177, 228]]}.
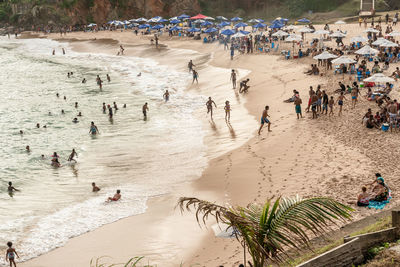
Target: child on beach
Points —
{"points": [[227, 110], [331, 103], [10, 254]]}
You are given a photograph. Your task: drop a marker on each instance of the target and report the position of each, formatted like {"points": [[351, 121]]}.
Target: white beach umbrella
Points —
{"points": [[394, 33], [126, 22], [325, 55], [379, 78], [223, 230], [340, 22], [199, 21], [305, 30], [293, 38], [290, 27], [379, 41], [343, 60], [92, 25], [388, 44], [280, 34], [321, 32], [371, 30], [337, 34], [209, 18], [141, 20], [238, 34], [367, 50], [358, 39]]}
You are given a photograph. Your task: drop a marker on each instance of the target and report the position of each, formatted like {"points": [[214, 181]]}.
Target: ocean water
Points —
{"points": [[143, 158]]}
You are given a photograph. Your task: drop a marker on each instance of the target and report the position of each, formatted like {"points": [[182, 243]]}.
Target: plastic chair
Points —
{"points": [[288, 55]]}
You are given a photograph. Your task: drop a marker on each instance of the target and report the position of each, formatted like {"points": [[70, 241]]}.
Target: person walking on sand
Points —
{"points": [[297, 103], [195, 76], [264, 119], [190, 66], [232, 52], [331, 103], [227, 109], [340, 102], [166, 95], [10, 254], [145, 108], [354, 95], [209, 106], [233, 79]]}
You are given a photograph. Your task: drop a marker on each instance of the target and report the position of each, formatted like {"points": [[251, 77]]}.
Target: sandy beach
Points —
{"points": [[329, 156]]}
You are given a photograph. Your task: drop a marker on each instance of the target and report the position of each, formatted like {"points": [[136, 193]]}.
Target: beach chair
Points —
{"points": [[338, 69], [288, 55]]}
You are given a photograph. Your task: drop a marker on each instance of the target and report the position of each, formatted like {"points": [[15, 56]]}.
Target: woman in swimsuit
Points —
{"points": [[227, 110], [93, 129]]}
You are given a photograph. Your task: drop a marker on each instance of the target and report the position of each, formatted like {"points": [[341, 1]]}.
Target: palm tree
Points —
{"points": [[270, 230]]}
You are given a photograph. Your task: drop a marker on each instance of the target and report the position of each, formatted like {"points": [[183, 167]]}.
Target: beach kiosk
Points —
{"points": [[367, 8]]}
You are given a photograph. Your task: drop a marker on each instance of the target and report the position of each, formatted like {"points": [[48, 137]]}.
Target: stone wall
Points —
{"points": [[354, 248]]}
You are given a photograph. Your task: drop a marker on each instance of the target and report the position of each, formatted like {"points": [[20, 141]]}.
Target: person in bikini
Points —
{"points": [[264, 119], [227, 109], [93, 129], [331, 103], [10, 254]]}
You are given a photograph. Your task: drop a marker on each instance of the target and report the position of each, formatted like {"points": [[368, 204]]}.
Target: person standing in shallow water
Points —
{"points": [[209, 104], [166, 95], [93, 129], [145, 108], [191, 65], [227, 111], [233, 79], [10, 254], [195, 76]]}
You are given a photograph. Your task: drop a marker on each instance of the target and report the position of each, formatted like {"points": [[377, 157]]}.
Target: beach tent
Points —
{"points": [[358, 39], [193, 30], [379, 78], [325, 55], [321, 32], [209, 30], [199, 16], [241, 24], [221, 18], [175, 21], [144, 26], [228, 32], [304, 20], [223, 24], [236, 19], [371, 30], [176, 28], [343, 60], [280, 33], [183, 16], [394, 33], [367, 50]]}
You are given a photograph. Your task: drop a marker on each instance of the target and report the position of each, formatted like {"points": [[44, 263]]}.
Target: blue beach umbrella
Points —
{"points": [[244, 32], [304, 20], [111, 22], [227, 32], [183, 16], [260, 25], [236, 19], [175, 21], [209, 30], [144, 26], [141, 20], [260, 20], [157, 27], [162, 20], [194, 30], [223, 24], [241, 24], [176, 28], [276, 26], [206, 23]]}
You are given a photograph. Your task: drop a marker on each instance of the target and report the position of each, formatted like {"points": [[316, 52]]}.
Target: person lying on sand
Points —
{"points": [[116, 197]]}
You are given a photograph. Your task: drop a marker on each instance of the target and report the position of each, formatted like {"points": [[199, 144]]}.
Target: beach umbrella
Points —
{"points": [[126, 22], [223, 24], [358, 39], [321, 32], [162, 20], [253, 21], [343, 60], [241, 24], [221, 18], [92, 25], [175, 21], [228, 32], [280, 33], [236, 19], [183, 16], [304, 20], [194, 30], [290, 27], [111, 22], [209, 18], [144, 26], [276, 25], [157, 27], [238, 34], [199, 16], [260, 25], [176, 28], [340, 22], [209, 30], [388, 44], [173, 18], [141, 20], [337, 34], [155, 19], [367, 50], [379, 78], [206, 23], [394, 33], [244, 32], [325, 55], [293, 38], [379, 41], [371, 30], [305, 30]]}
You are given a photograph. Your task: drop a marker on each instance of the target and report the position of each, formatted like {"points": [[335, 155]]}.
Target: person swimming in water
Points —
{"points": [[21, 132], [72, 155], [115, 106], [93, 129], [37, 125], [95, 188], [62, 111], [110, 111], [54, 160], [116, 197], [84, 80], [75, 120], [166, 95], [79, 114], [76, 104], [28, 149], [11, 188]]}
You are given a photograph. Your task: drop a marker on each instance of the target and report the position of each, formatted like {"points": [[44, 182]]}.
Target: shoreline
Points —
{"points": [[278, 163]]}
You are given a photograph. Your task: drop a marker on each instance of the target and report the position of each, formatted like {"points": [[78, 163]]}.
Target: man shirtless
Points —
{"points": [[95, 188], [297, 103], [314, 105], [392, 109], [209, 106], [264, 119], [166, 95], [243, 86], [72, 155], [145, 108], [116, 197], [233, 79]]}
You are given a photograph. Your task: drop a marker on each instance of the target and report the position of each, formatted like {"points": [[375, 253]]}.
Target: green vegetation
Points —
{"points": [[268, 231], [131, 263]]}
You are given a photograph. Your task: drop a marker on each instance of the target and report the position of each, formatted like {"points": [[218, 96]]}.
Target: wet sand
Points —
{"points": [[328, 156]]}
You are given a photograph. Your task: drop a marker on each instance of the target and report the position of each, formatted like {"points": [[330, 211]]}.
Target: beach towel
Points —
{"points": [[378, 205]]}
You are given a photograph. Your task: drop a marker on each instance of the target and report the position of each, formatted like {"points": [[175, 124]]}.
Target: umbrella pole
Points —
{"points": [[244, 253]]}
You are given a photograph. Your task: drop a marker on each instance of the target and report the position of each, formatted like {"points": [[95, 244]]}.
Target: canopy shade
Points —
{"points": [[367, 50], [325, 55], [343, 60], [379, 78]]}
